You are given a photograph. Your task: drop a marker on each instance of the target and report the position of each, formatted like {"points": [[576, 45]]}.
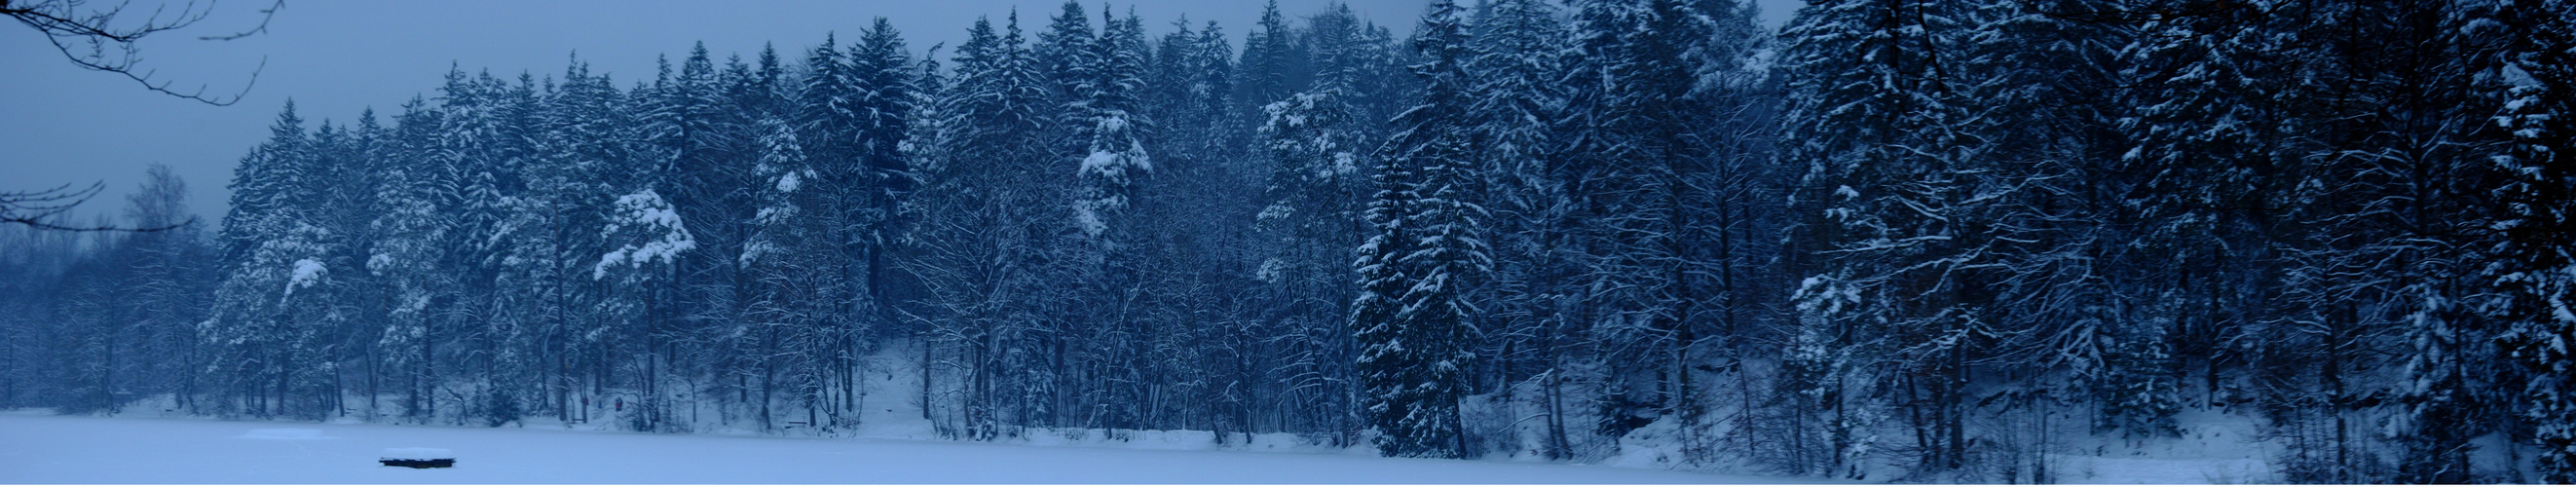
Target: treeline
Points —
{"points": [[1933, 240], [2339, 216]]}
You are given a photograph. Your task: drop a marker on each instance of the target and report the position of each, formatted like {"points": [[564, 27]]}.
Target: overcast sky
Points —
{"points": [[60, 124]]}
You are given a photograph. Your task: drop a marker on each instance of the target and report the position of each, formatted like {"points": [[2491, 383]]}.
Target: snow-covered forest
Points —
{"points": [[1892, 240]]}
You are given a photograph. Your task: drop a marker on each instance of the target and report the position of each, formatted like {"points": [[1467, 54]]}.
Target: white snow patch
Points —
{"points": [[1087, 218], [787, 183], [286, 434], [2108, 470], [648, 214], [1275, 212], [2514, 75], [2214, 448], [1271, 271], [307, 273]]}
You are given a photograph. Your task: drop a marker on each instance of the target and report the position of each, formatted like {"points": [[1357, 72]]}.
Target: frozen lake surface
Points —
{"points": [[44, 449]]}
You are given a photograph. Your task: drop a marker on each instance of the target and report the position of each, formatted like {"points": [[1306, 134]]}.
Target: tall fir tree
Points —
{"points": [[2538, 77], [1413, 323]]}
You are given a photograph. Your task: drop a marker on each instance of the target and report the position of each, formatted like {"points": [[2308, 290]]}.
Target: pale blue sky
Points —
{"points": [[61, 124]]}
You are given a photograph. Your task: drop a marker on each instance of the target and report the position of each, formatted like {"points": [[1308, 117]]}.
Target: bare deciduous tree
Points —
{"points": [[41, 209]]}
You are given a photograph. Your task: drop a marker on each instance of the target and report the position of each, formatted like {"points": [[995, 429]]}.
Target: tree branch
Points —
{"points": [[39, 209], [93, 40]]}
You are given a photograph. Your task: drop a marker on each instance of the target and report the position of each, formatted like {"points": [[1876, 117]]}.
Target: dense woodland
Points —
{"points": [[1894, 239]]}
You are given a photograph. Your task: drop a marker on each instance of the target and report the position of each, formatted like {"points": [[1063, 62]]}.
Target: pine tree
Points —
{"points": [[412, 232], [1413, 324], [270, 335], [793, 305], [1311, 213], [826, 115], [1270, 55], [884, 78], [2192, 157], [256, 186], [1631, 157], [1068, 64], [831, 130], [1399, 401], [1115, 154], [981, 210], [1880, 141], [2539, 77]]}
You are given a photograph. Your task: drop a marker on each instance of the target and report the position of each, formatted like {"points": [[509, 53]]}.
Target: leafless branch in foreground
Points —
{"points": [[93, 39]]}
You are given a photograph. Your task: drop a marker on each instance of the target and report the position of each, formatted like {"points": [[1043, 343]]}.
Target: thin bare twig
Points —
{"points": [[92, 39], [40, 209]]}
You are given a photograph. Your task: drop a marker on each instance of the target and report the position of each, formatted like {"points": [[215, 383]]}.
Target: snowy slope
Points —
{"points": [[36, 448], [2213, 448]]}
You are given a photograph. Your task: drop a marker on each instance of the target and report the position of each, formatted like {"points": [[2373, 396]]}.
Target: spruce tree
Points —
{"points": [[2539, 94], [1878, 136], [1413, 325]]}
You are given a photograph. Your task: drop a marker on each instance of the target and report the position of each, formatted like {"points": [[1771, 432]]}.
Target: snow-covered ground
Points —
{"points": [[2213, 448], [45, 449]]}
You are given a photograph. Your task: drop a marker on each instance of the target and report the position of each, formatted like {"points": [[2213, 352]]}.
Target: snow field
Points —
{"points": [[2213, 448], [40, 448]]}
